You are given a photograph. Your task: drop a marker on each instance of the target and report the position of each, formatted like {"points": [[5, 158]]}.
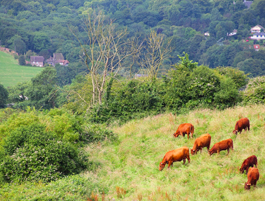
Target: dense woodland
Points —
{"points": [[44, 27], [56, 114]]}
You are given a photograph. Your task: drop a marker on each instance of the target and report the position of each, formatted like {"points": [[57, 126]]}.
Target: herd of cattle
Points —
{"points": [[205, 141]]}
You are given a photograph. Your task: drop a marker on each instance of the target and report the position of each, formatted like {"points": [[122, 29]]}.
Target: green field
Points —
{"points": [[128, 168], [11, 73]]}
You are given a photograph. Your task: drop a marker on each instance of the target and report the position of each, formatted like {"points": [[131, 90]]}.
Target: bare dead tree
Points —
{"points": [[104, 51], [155, 52]]}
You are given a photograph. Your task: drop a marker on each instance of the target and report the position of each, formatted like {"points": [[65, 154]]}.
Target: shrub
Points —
{"points": [[3, 96], [33, 154], [255, 91], [21, 60], [228, 94], [96, 132]]}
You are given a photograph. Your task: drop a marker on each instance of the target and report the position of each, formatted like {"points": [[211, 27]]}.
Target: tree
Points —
{"points": [[21, 60], [19, 46], [105, 51], [42, 92], [3, 96], [154, 53]]}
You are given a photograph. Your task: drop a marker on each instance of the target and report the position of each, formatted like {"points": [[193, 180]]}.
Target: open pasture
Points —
{"points": [[133, 164], [11, 73], [128, 168]]}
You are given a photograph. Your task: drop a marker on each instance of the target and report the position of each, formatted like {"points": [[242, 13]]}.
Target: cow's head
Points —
{"points": [[242, 170], [247, 186], [161, 166], [176, 134], [192, 151], [235, 131]]}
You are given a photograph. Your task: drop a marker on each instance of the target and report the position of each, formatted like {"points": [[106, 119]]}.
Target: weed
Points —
{"points": [[120, 192]]}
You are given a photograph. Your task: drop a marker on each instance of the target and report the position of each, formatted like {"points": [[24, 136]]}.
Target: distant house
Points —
{"points": [[57, 59], [258, 36], [256, 47], [37, 61], [256, 29], [207, 34], [234, 32], [247, 3]]}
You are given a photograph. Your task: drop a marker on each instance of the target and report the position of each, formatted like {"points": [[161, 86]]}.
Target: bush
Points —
{"points": [[33, 154], [21, 60], [3, 96], [228, 95], [255, 91]]}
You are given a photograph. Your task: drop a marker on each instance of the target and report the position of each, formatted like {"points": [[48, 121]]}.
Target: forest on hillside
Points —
{"points": [[129, 59], [44, 27]]}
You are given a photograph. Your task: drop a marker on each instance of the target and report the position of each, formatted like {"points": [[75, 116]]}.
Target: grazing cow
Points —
{"points": [[175, 155], [253, 177], [223, 145], [202, 141], [241, 124], [183, 129], [249, 162]]}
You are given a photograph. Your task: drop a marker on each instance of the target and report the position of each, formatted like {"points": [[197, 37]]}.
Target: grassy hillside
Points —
{"points": [[129, 168], [12, 73]]}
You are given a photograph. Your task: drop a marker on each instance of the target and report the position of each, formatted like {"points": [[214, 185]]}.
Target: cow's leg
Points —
{"points": [[201, 150], [255, 182], [184, 160], [247, 170], [169, 164], [227, 151], [218, 151], [188, 134], [188, 158]]}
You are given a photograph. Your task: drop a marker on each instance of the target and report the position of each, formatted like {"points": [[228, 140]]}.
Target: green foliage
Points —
{"points": [[135, 96], [238, 76], [33, 154], [21, 60], [255, 67], [185, 61], [75, 187], [3, 96], [42, 92], [96, 133], [228, 95], [255, 91]]}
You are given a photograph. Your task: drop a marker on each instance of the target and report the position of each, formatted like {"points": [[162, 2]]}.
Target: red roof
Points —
{"points": [[256, 47], [64, 62]]}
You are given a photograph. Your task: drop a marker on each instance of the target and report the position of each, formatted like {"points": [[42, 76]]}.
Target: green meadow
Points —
{"points": [[11, 73], [127, 169]]}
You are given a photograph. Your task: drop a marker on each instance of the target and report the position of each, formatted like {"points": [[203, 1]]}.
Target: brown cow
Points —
{"points": [[223, 145], [202, 141], [183, 129], [253, 177], [175, 155], [249, 162], [241, 124]]}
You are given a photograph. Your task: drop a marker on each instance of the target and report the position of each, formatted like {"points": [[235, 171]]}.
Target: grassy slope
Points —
{"points": [[133, 163], [11, 73]]}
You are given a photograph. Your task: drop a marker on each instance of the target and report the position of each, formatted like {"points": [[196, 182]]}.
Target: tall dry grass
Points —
{"points": [[132, 164]]}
